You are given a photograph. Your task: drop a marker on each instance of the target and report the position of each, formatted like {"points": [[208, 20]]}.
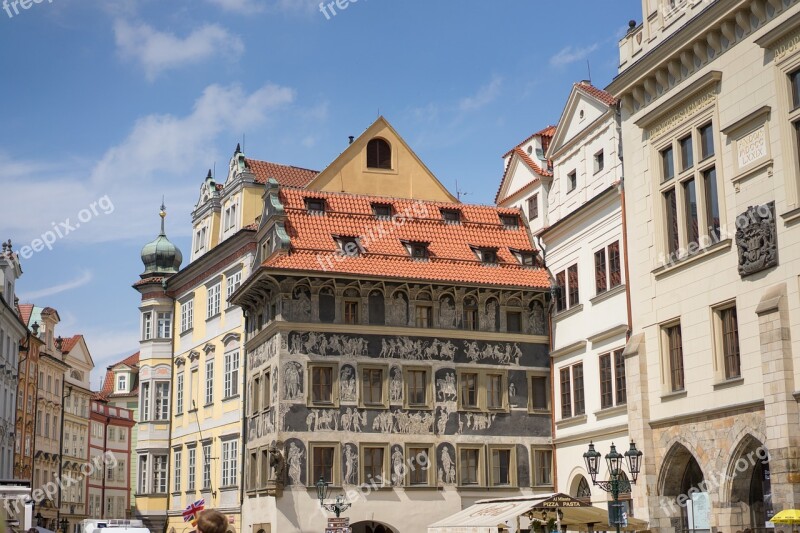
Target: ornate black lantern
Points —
{"points": [[592, 459]]}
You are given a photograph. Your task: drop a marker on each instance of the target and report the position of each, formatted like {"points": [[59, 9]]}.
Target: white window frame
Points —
{"points": [[232, 282], [187, 315], [164, 324], [160, 473], [177, 467], [230, 462], [191, 469], [144, 402], [213, 300], [162, 401], [209, 383], [122, 382], [179, 387], [206, 472], [147, 326], [231, 374]]}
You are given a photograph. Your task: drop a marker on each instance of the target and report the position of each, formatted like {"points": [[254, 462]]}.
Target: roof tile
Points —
{"points": [[284, 174]]}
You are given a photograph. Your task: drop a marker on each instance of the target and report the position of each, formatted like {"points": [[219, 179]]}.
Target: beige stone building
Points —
{"points": [[710, 94]]}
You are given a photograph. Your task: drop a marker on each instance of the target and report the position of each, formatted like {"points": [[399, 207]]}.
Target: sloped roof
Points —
{"points": [[284, 174], [520, 153], [451, 256], [69, 343], [546, 134], [599, 94], [107, 390], [25, 311]]}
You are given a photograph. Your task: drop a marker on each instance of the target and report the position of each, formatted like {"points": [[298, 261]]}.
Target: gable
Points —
{"points": [[408, 176], [518, 176], [585, 105], [79, 355]]}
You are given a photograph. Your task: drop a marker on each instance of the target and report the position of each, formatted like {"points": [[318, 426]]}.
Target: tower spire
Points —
{"points": [[163, 215]]}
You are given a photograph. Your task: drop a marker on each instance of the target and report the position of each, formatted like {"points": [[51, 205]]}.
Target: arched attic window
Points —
{"points": [[379, 154]]}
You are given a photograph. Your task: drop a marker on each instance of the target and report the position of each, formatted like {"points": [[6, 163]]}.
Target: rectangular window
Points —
{"points": [[143, 474], [675, 352], [206, 466], [418, 476], [619, 374], [692, 222], [351, 312], [494, 391], [147, 326], [322, 384], [187, 315], [373, 465], [145, 402], [514, 322], [469, 390], [614, 265], [572, 181], [561, 291], [177, 464], [231, 374], [706, 141], [209, 396], [606, 382], [794, 79], [160, 474], [667, 164], [417, 387], [213, 301], [540, 393], [255, 393], [671, 208], [230, 463], [712, 200], [574, 295], [266, 383], [599, 161], [533, 207], [577, 384], [543, 468], [730, 342], [424, 317], [322, 463], [566, 393], [501, 467], [231, 284], [600, 281], [164, 325], [191, 469], [179, 394], [372, 386], [687, 154], [469, 459], [162, 401]]}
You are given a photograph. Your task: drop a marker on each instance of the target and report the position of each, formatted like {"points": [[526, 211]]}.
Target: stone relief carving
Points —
{"points": [[493, 352], [353, 419], [447, 465], [405, 348], [283, 409], [295, 458], [301, 305], [332, 420], [757, 239], [396, 385], [475, 421], [447, 312], [446, 387], [277, 464], [263, 353], [292, 380], [347, 384], [397, 310], [398, 467], [321, 344], [443, 418], [350, 456], [403, 422], [536, 320], [489, 316]]}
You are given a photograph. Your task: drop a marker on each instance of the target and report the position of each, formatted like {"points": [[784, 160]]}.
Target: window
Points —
{"points": [[417, 387], [418, 250], [687, 154], [162, 401], [177, 465], [230, 462], [727, 344], [471, 314], [147, 326], [233, 282], [212, 307], [712, 200], [502, 467], [794, 79], [179, 394], [255, 395], [671, 208], [469, 466], [379, 154], [451, 216], [469, 390], [373, 461], [424, 315], [315, 206], [577, 389], [187, 315], [674, 344], [533, 207], [382, 211], [145, 402], [619, 375], [600, 280], [164, 325], [612, 379], [143, 474], [160, 474], [231, 374], [667, 164], [572, 181], [692, 222], [207, 466], [349, 246], [495, 391], [572, 277], [488, 256], [561, 291], [122, 383], [542, 468], [191, 468], [599, 161], [194, 388], [322, 463], [514, 321], [614, 265], [419, 476], [321, 384], [209, 396], [540, 393], [372, 386], [351, 312], [510, 221], [706, 141]]}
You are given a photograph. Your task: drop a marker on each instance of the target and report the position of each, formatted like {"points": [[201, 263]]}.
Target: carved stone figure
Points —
{"points": [[536, 319], [351, 465], [397, 311], [398, 468], [447, 313], [293, 381], [446, 387], [396, 386], [277, 464], [295, 460], [448, 469], [490, 315], [347, 384], [757, 239], [301, 306]]}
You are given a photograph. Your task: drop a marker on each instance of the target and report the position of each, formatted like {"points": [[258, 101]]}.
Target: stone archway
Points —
{"points": [[680, 476], [749, 489], [371, 526]]}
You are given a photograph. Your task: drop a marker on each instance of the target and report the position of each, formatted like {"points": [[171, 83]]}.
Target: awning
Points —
{"points": [[482, 517]]}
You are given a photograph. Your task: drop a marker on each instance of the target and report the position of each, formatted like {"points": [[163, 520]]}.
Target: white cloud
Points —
{"points": [[571, 54], [247, 7], [239, 6], [85, 277], [485, 96], [160, 51]]}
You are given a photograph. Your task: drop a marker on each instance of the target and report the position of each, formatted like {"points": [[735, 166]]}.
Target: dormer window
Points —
{"points": [[510, 221], [315, 206], [122, 382], [382, 211], [540, 154], [451, 216], [349, 246], [379, 154], [487, 256], [417, 250], [526, 258]]}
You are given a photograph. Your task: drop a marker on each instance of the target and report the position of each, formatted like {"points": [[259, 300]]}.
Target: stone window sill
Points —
{"points": [[673, 395], [572, 421], [575, 309], [729, 383], [608, 294]]}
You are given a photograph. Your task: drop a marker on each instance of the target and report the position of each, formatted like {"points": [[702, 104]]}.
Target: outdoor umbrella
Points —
{"points": [[787, 516]]}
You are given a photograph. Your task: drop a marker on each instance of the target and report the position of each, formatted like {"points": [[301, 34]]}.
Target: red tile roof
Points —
{"points": [[25, 311], [605, 97], [107, 390], [546, 134], [284, 174], [69, 343], [451, 258]]}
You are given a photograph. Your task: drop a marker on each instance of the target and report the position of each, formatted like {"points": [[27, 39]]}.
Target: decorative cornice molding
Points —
{"points": [[701, 94]]}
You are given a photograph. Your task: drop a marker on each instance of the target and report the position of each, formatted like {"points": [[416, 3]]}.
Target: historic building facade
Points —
{"points": [[396, 348], [709, 93], [109, 486], [12, 331]]}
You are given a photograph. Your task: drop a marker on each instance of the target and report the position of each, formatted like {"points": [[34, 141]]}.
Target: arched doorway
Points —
{"points": [[680, 474], [750, 483], [371, 527], [581, 489]]}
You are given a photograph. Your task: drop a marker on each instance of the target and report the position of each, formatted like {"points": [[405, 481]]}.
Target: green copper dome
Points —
{"points": [[161, 257]]}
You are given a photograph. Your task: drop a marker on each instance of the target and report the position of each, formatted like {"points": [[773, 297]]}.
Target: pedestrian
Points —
{"points": [[212, 521]]}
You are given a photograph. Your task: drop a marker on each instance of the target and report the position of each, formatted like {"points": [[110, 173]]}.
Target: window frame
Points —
{"points": [[214, 300], [177, 469], [231, 373], [668, 353], [572, 181], [599, 161], [187, 315], [385, 474], [230, 471], [336, 467], [429, 390], [531, 375], [721, 370], [208, 383], [384, 391], [533, 206], [512, 465], [614, 389], [430, 473], [205, 469], [334, 370], [379, 162], [480, 474], [535, 463]]}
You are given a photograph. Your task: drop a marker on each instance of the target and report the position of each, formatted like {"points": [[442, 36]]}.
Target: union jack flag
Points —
{"points": [[192, 510]]}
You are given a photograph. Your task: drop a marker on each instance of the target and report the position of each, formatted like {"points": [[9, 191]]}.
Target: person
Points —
{"points": [[212, 521]]}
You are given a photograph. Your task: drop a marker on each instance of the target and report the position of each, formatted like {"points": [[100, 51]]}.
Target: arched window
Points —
{"points": [[470, 313], [327, 305], [379, 154], [377, 308], [583, 492]]}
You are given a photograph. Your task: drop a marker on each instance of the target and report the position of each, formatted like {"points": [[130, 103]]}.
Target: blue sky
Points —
{"points": [[108, 104]]}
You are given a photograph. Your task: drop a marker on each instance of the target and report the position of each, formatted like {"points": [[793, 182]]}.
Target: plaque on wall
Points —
{"points": [[757, 239]]}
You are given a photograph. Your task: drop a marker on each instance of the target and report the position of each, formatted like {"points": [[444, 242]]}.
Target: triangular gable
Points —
{"points": [[80, 352], [520, 172], [409, 177], [594, 103]]}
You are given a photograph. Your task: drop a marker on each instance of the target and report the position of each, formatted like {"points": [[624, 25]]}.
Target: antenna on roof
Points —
{"points": [[459, 192], [244, 143], [589, 68]]}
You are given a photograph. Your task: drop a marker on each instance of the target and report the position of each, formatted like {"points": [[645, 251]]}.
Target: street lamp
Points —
{"points": [[616, 483], [38, 518], [338, 505], [64, 524]]}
